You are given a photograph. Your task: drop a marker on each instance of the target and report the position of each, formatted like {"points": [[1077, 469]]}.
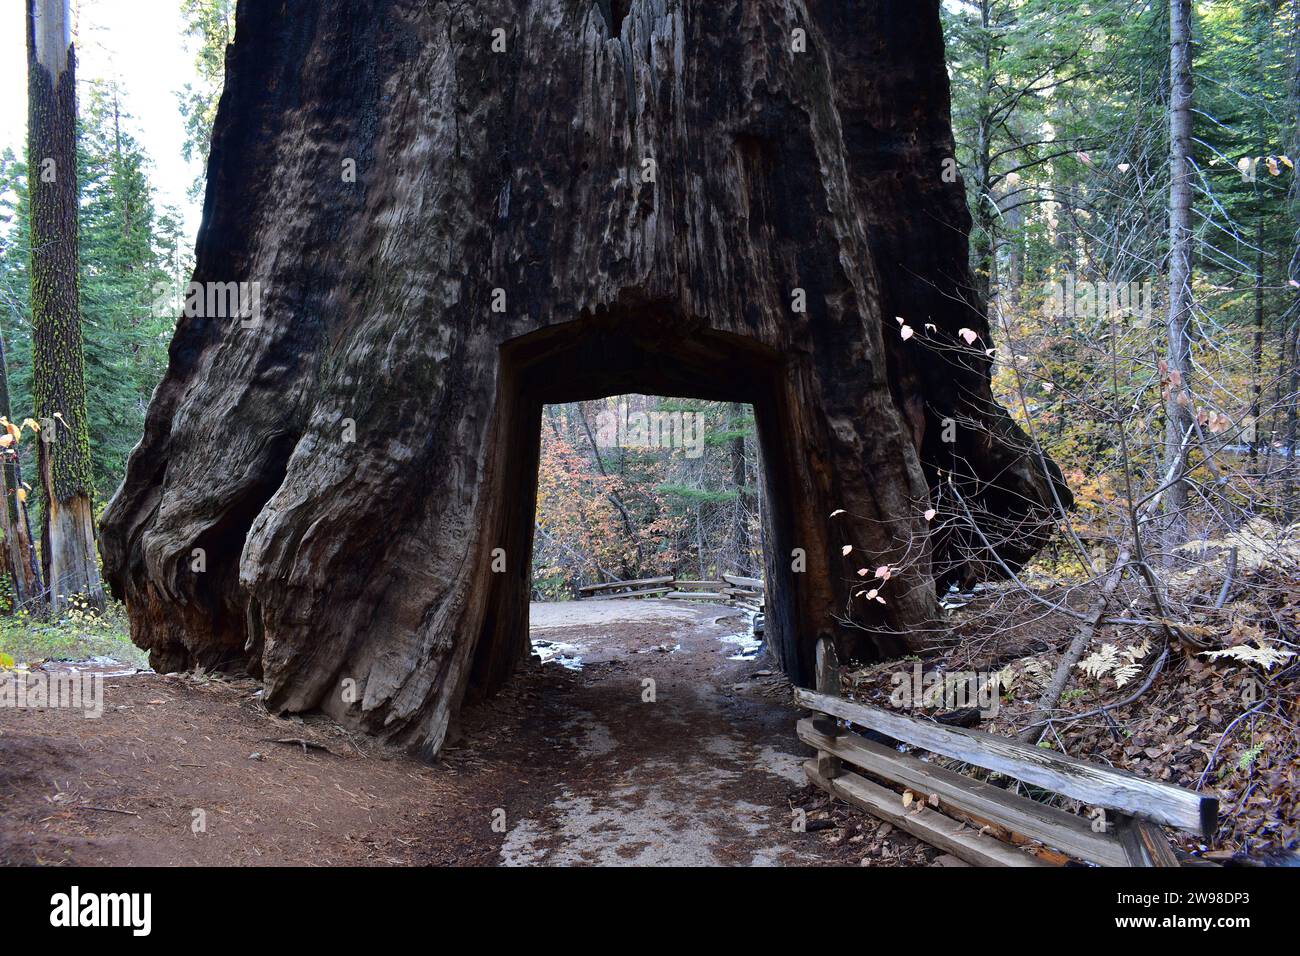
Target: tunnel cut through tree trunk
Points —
{"points": [[724, 200]]}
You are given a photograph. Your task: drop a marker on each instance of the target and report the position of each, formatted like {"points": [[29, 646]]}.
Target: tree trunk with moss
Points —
{"points": [[457, 213], [58, 375]]}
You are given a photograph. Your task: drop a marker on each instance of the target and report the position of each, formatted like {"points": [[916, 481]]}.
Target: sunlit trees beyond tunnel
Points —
{"points": [[634, 486]]}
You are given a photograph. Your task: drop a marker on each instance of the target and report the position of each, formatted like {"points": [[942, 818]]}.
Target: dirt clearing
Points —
{"points": [[651, 735]]}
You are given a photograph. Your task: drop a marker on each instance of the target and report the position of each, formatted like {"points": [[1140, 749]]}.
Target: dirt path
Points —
{"points": [[650, 736]]}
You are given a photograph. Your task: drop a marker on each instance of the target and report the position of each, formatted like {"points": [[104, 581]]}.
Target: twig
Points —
{"points": [[86, 806], [1217, 747], [1227, 579]]}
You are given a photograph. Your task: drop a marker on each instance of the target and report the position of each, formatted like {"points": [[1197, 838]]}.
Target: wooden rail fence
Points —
{"points": [[964, 816], [734, 589]]}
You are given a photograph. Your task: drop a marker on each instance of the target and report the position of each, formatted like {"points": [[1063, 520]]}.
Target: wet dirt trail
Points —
{"points": [[641, 733], [675, 750]]}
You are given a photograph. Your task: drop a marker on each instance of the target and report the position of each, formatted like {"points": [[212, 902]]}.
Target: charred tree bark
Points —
{"points": [[58, 366], [555, 201]]}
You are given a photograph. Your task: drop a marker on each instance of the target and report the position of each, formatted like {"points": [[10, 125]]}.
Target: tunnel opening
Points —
{"points": [[646, 504], [602, 360]]}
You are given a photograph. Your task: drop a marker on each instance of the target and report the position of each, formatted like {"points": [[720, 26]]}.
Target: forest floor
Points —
{"points": [[572, 763]]}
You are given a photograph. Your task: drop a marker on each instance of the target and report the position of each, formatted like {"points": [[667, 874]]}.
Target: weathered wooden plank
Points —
{"points": [[737, 580], [1144, 843], [646, 592], [696, 596], [1094, 785], [588, 588], [927, 824], [711, 585], [1066, 832], [827, 673]]}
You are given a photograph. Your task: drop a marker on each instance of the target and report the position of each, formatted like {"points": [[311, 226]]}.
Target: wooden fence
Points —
{"points": [[733, 589], [976, 821]]}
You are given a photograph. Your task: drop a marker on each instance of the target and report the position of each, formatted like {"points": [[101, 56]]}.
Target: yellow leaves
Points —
{"points": [[14, 433], [920, 800], [22, 494]]}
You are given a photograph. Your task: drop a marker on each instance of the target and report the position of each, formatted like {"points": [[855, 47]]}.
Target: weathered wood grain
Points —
{"points": [[919, 820], [1143, 842], [639, 582], [642, 592], [1066, 832], [1093, 784]]}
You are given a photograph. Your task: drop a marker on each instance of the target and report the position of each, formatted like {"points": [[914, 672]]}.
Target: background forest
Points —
{"points": [[1062, 119]]}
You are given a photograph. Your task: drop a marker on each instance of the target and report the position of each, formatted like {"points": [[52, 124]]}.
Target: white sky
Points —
{"points": [[141, 43]]}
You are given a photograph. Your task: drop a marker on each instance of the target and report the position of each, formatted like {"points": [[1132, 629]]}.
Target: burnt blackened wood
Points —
{"points": [[703, 205]]}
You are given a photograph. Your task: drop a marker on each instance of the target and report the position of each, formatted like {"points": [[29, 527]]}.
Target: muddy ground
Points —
{"points": [[650, 736]]}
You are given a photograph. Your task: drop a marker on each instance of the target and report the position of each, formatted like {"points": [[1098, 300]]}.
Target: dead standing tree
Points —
{"points": [[456, 213]]}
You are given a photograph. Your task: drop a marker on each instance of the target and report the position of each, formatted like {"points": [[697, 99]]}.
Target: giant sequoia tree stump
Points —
{"points": [[556, 200]]}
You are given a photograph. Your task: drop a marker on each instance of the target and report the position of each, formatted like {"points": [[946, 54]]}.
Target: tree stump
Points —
{"points": [[456, 213]]}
